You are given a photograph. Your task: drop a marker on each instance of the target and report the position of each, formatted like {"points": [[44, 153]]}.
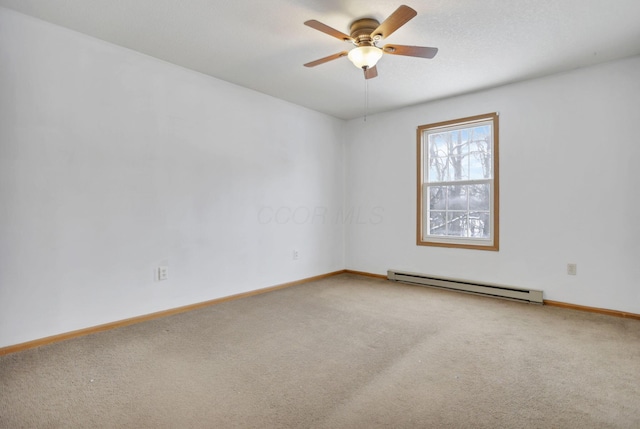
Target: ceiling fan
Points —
{"points": [[365, 34]]}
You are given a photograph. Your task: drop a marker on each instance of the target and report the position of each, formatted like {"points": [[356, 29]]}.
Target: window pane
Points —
{"points": [[458, 197], [479, 224], [464, 136], [456, 224], [458, 168], [438, 169], [437, 197], [479, 165], [437, 223], [480, 197], [438, 145]]}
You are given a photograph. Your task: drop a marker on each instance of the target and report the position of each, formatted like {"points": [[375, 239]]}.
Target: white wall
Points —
{"points": [[112, 163], [569, 187]]}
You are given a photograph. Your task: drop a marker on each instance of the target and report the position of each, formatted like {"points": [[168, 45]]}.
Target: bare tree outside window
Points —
{"points": [[457, 183]]}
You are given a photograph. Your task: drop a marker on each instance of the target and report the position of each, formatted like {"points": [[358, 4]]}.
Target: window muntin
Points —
{"points": [[458, 183]]}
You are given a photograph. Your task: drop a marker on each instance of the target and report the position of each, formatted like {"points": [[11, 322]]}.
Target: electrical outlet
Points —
{"points": [[296, 255], [163, 273], [572, 269]]}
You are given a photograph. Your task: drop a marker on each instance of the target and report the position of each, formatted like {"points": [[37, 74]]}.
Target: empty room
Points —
{"points": [[319, 214]]}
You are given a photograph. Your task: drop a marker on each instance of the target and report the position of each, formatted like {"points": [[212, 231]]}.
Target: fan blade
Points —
{"points": [[317, 25], [327, 59], [410, 51], [397, 19], [371, 72]]}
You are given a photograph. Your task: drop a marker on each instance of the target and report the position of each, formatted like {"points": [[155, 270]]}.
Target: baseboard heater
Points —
{"points": [[498, 291]]}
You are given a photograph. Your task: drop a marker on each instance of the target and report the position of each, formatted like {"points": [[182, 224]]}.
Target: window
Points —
{"points": [[458, 183]]}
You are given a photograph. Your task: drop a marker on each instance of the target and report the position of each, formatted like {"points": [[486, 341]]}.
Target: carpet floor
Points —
{"points": [[342, 352]]}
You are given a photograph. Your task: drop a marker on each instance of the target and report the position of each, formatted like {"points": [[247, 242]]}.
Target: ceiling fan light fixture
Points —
{"points": [[365, 56]]}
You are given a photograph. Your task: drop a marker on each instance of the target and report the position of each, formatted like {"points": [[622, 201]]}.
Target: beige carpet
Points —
{"points": [[344, 352]]}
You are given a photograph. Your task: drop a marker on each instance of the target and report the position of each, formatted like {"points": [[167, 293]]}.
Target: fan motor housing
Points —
{"points": [[361, 31]]}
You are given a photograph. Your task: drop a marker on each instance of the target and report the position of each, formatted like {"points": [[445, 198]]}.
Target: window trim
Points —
{"points": [[461, 242]]}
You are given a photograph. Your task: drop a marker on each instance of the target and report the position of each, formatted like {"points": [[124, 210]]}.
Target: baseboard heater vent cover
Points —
{"points": [[498, 291]]}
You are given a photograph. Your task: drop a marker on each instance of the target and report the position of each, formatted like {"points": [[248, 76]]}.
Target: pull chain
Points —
{"points": [[366, 98]]}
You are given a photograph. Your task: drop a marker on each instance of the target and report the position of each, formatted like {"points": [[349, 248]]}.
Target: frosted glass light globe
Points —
{"points": [[365, 56]]}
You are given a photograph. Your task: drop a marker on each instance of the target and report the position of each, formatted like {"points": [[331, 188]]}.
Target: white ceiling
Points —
{"points": [[263, 44]]}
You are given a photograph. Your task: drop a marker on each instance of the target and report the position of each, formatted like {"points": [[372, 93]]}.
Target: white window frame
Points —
{"points": [[423, 239]]}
